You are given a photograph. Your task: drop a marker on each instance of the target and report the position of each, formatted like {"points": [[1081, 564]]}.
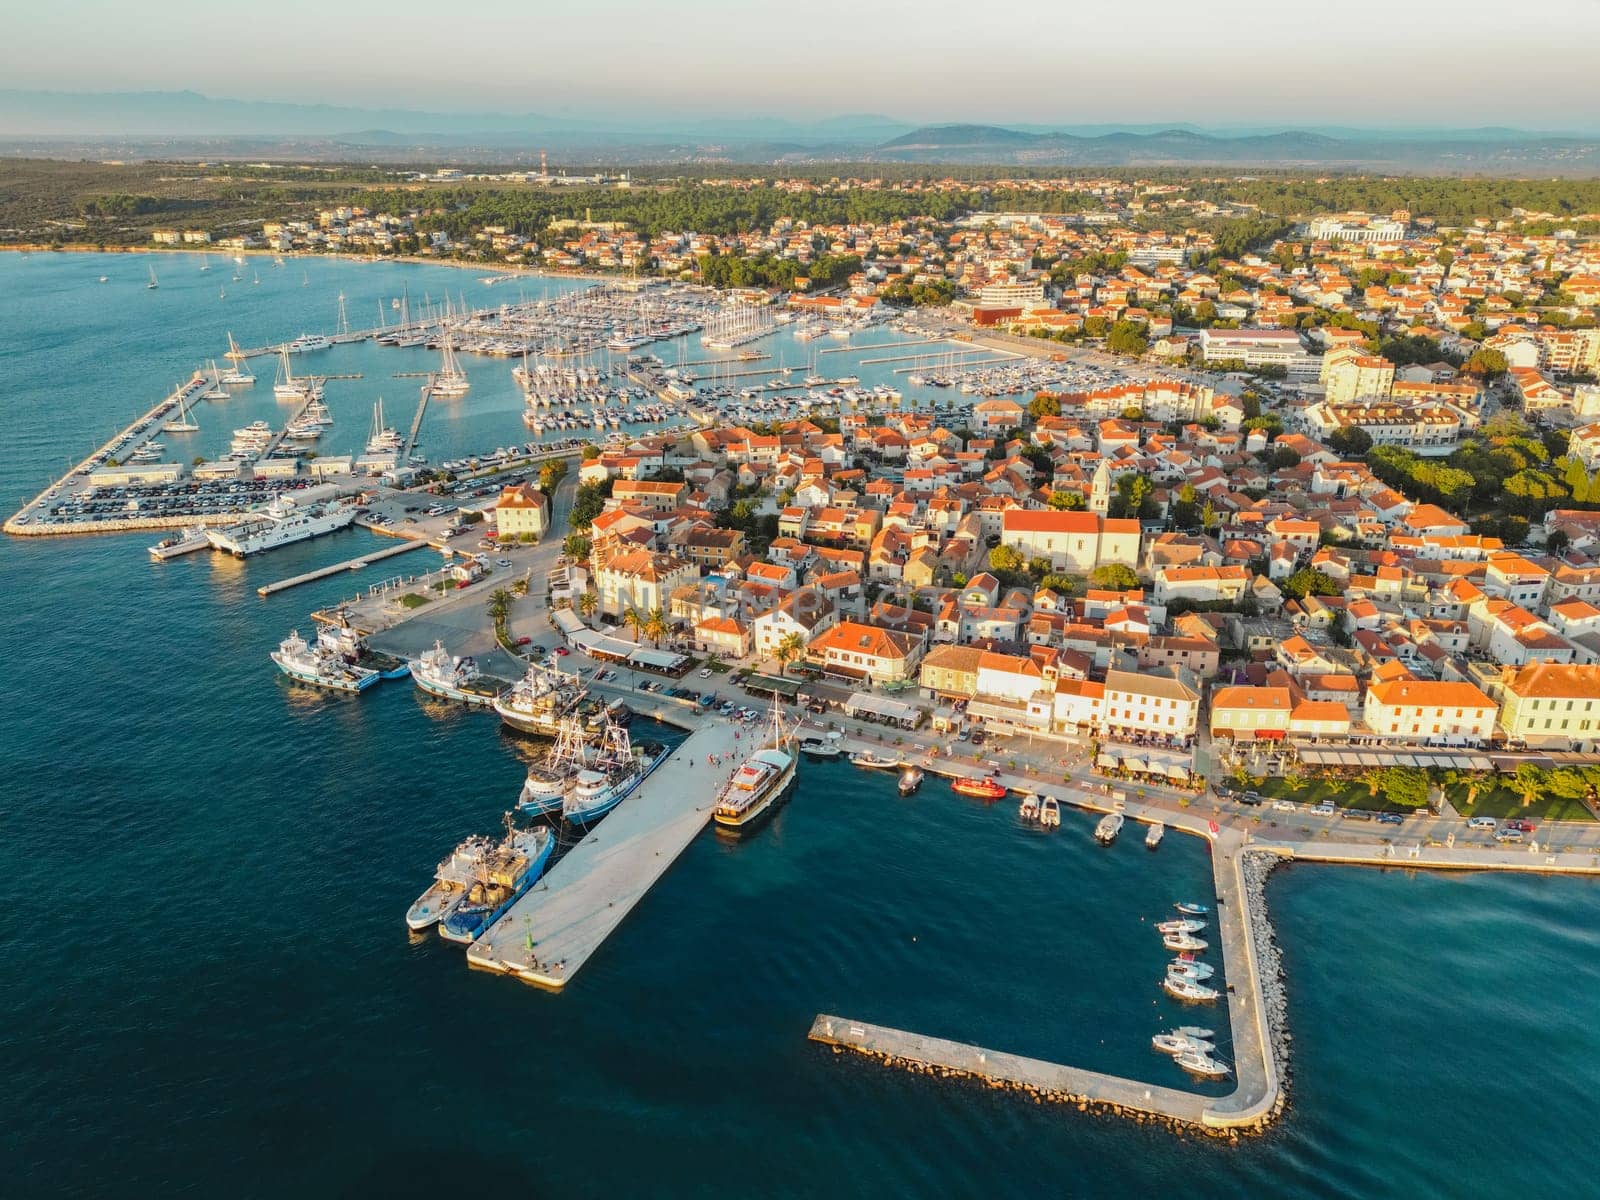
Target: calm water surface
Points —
{"points": [[209, 989]]}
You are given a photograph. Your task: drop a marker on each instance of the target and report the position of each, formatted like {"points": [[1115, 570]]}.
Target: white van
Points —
{"points": [[1482, 823]]}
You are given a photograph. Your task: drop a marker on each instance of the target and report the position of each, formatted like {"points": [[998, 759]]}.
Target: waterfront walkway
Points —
{"points": [[351, 564], [547, 935]]}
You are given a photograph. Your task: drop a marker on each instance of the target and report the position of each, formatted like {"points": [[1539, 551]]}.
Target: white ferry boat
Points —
{"points": [[308, 663], [187, 542], [538, 701], [281, 523], [759, 781], [450, 677]]}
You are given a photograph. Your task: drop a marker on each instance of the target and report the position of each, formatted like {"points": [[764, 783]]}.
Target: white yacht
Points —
{"points": [[309, 341], [237, 374], [281, 523], [1191, 968], [384, 440], [451, 380], [1197, 1062]]}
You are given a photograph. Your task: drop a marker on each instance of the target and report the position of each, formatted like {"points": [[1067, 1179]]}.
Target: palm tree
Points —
{"points": [[790, 647], [655, 626], [499, 605], [632, 619], [1529, 780], [587, 603]]}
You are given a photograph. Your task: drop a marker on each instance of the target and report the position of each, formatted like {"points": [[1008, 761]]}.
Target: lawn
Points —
{"points": [[1346, 793], [1503, 801], [413, 600]]}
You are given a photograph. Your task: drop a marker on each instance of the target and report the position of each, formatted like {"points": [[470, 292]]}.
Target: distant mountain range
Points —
{"points": [[187, 124]]}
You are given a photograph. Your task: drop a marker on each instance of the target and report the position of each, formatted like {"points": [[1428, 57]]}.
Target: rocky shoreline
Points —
{"points": [[1255, 867]]}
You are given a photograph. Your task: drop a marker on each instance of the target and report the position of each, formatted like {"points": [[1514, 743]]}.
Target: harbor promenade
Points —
{"points": [[546, 937]]}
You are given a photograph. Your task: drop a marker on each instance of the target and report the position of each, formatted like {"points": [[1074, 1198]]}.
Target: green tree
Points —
{"points": [[789, 648], [1406, 786], [1114, 577], [655, 626], [1350, 440], [1127, 337], [587, 603], [1485, 363], [1044, 405], [1529, 781], [1067, 500], [1007, 558], [1308, 582]]}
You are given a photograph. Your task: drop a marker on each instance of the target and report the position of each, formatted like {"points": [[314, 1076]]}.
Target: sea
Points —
{"points": [[209, 990]]}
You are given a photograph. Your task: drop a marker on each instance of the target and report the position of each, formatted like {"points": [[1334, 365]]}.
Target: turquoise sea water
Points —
{"points": [[208, 989]]}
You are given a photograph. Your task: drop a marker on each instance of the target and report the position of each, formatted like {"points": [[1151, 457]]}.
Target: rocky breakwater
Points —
{"points": [[1254, 868]]}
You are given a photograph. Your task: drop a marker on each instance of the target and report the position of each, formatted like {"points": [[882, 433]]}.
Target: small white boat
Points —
{"points": [[1188, 990], [1189, 968], [1030, 807], [910, 780], [1197, 1062], [874, 762], [1153, 837], [1183, 943], [1050, 813], [1181, 926], [1192, 910], [1177, 1042], [820, 748], [1106, 831], [1196, 1031]]}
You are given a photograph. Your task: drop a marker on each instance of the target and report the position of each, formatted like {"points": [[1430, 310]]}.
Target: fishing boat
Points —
{"points": [[1050, 813], [1177, 1042], [760, 780], [979, 787], [550, 779], [1029, 809], [307, 662], [1109, 826], [873, 762], [539, 701], [910, 780], [1188, 990], [507, 871], [449, 677], [1183, 941], [1197, 1062], [610, 777], [1193, 910], [1184, 925], [1154, 834], [451, 880], [814, 747], [1191, 968]]}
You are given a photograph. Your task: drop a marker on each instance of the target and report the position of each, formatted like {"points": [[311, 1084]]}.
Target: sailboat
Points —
{"points": [[205, 262], [237, 374], [216, 391], [222, 293], [451, 379], [152, 284], [184, 421], [305, 279], [384, 440], [287, 387]]}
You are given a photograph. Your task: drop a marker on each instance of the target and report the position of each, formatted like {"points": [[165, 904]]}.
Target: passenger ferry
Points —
{"points": [[282, 523], [759, 781]]}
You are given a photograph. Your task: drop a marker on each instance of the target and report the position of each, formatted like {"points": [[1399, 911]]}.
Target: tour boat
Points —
{"points": [[979, 788], [760, 780]]}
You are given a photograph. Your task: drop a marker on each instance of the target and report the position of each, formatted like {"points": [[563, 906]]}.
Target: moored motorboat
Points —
{"points": [[1188, 990], [1153, 836], [1184, 942], [820, 748], [1177, 1042], [1197, 1062], [1050, 813], [1029, 810], [910, 780], [1190, 968], [1109, 826], [1192, 910], [1184, 925], [873, 762]]}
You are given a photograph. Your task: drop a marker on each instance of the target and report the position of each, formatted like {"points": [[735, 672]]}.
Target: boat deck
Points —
{"points": [[548, 935]]}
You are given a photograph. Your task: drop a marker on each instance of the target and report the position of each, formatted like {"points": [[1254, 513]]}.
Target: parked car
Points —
{"points": [[1508, 835], [1482, 823], [705, 672], [523, 641], [1357, 814], [562, 652], [1520, 825], [1326, 808], [1283, 805], [1390, 818]]}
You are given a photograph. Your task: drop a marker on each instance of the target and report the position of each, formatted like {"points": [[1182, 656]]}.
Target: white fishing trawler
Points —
{"points": [[282, 523], [609, 778], [758, 783], [550, 779], [311, 663], [538, 701], [450, 676], [451, 880]]}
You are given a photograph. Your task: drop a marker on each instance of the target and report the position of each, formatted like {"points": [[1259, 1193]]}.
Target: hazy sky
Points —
{"points": [[1244, 61]]}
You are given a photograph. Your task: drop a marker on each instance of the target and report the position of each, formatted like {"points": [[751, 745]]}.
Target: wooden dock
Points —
{"points": [[416, 423], [350, 564], [547, 935]]}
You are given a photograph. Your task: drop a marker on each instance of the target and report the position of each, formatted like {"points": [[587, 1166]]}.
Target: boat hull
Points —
{"points": [[329, 683]]}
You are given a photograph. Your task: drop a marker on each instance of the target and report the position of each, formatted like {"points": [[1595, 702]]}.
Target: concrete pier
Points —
{"points": [[350, 564], [547, 935]]}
